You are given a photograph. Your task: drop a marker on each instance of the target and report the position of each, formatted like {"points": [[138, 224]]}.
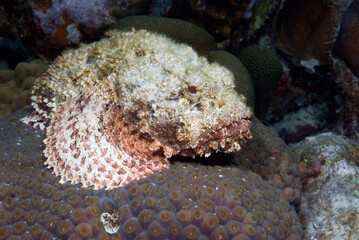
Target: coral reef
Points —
{"points": [[15, 85], [47, 27], [346, 70], [177, 101], [179, 30], [329, 167], [235, 20], [272, 160], [13, 52], [315, 154], [188, 200], [115, 135], [62, 20], [304, 104], [89, 13], [349, 84], [305, 30], [261, 11], [345, 44], [303, 122], [160, 7], [123, 98], [307, 98], [265, 70]]}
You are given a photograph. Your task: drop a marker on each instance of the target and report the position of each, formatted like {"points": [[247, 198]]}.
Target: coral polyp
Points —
{"points": [[178, 202]]}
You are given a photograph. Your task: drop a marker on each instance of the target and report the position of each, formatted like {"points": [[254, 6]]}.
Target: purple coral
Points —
{"points": [[267, 155], [91, 13], [187, 200]]}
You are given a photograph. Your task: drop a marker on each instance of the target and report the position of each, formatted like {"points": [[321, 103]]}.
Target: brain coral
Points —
{"points": [[265, 70], [186, 201], [272, 160], [165, 100], [15, 85], [179, 30]]}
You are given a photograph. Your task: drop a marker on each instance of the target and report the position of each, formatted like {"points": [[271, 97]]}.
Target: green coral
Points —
{"points": [[265, 69], [179, 30]]}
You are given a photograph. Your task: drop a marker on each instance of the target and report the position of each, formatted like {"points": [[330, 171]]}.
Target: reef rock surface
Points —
{"points": [[329, 169]]}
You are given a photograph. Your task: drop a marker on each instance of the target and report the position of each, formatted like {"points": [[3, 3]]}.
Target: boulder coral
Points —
{"points": [[179, 30], [188, 200], [272, 160], [15, 85], [265, 70]]}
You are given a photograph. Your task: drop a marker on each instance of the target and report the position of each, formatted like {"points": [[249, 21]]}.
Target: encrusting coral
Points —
{"points": [[166, 98], [186, 201]]}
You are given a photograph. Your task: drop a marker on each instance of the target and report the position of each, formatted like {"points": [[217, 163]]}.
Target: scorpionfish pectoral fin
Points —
{"points": [[89, 142]]}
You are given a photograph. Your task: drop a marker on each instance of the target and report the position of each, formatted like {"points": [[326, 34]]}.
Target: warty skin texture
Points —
{"points": [[171, 97]]}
